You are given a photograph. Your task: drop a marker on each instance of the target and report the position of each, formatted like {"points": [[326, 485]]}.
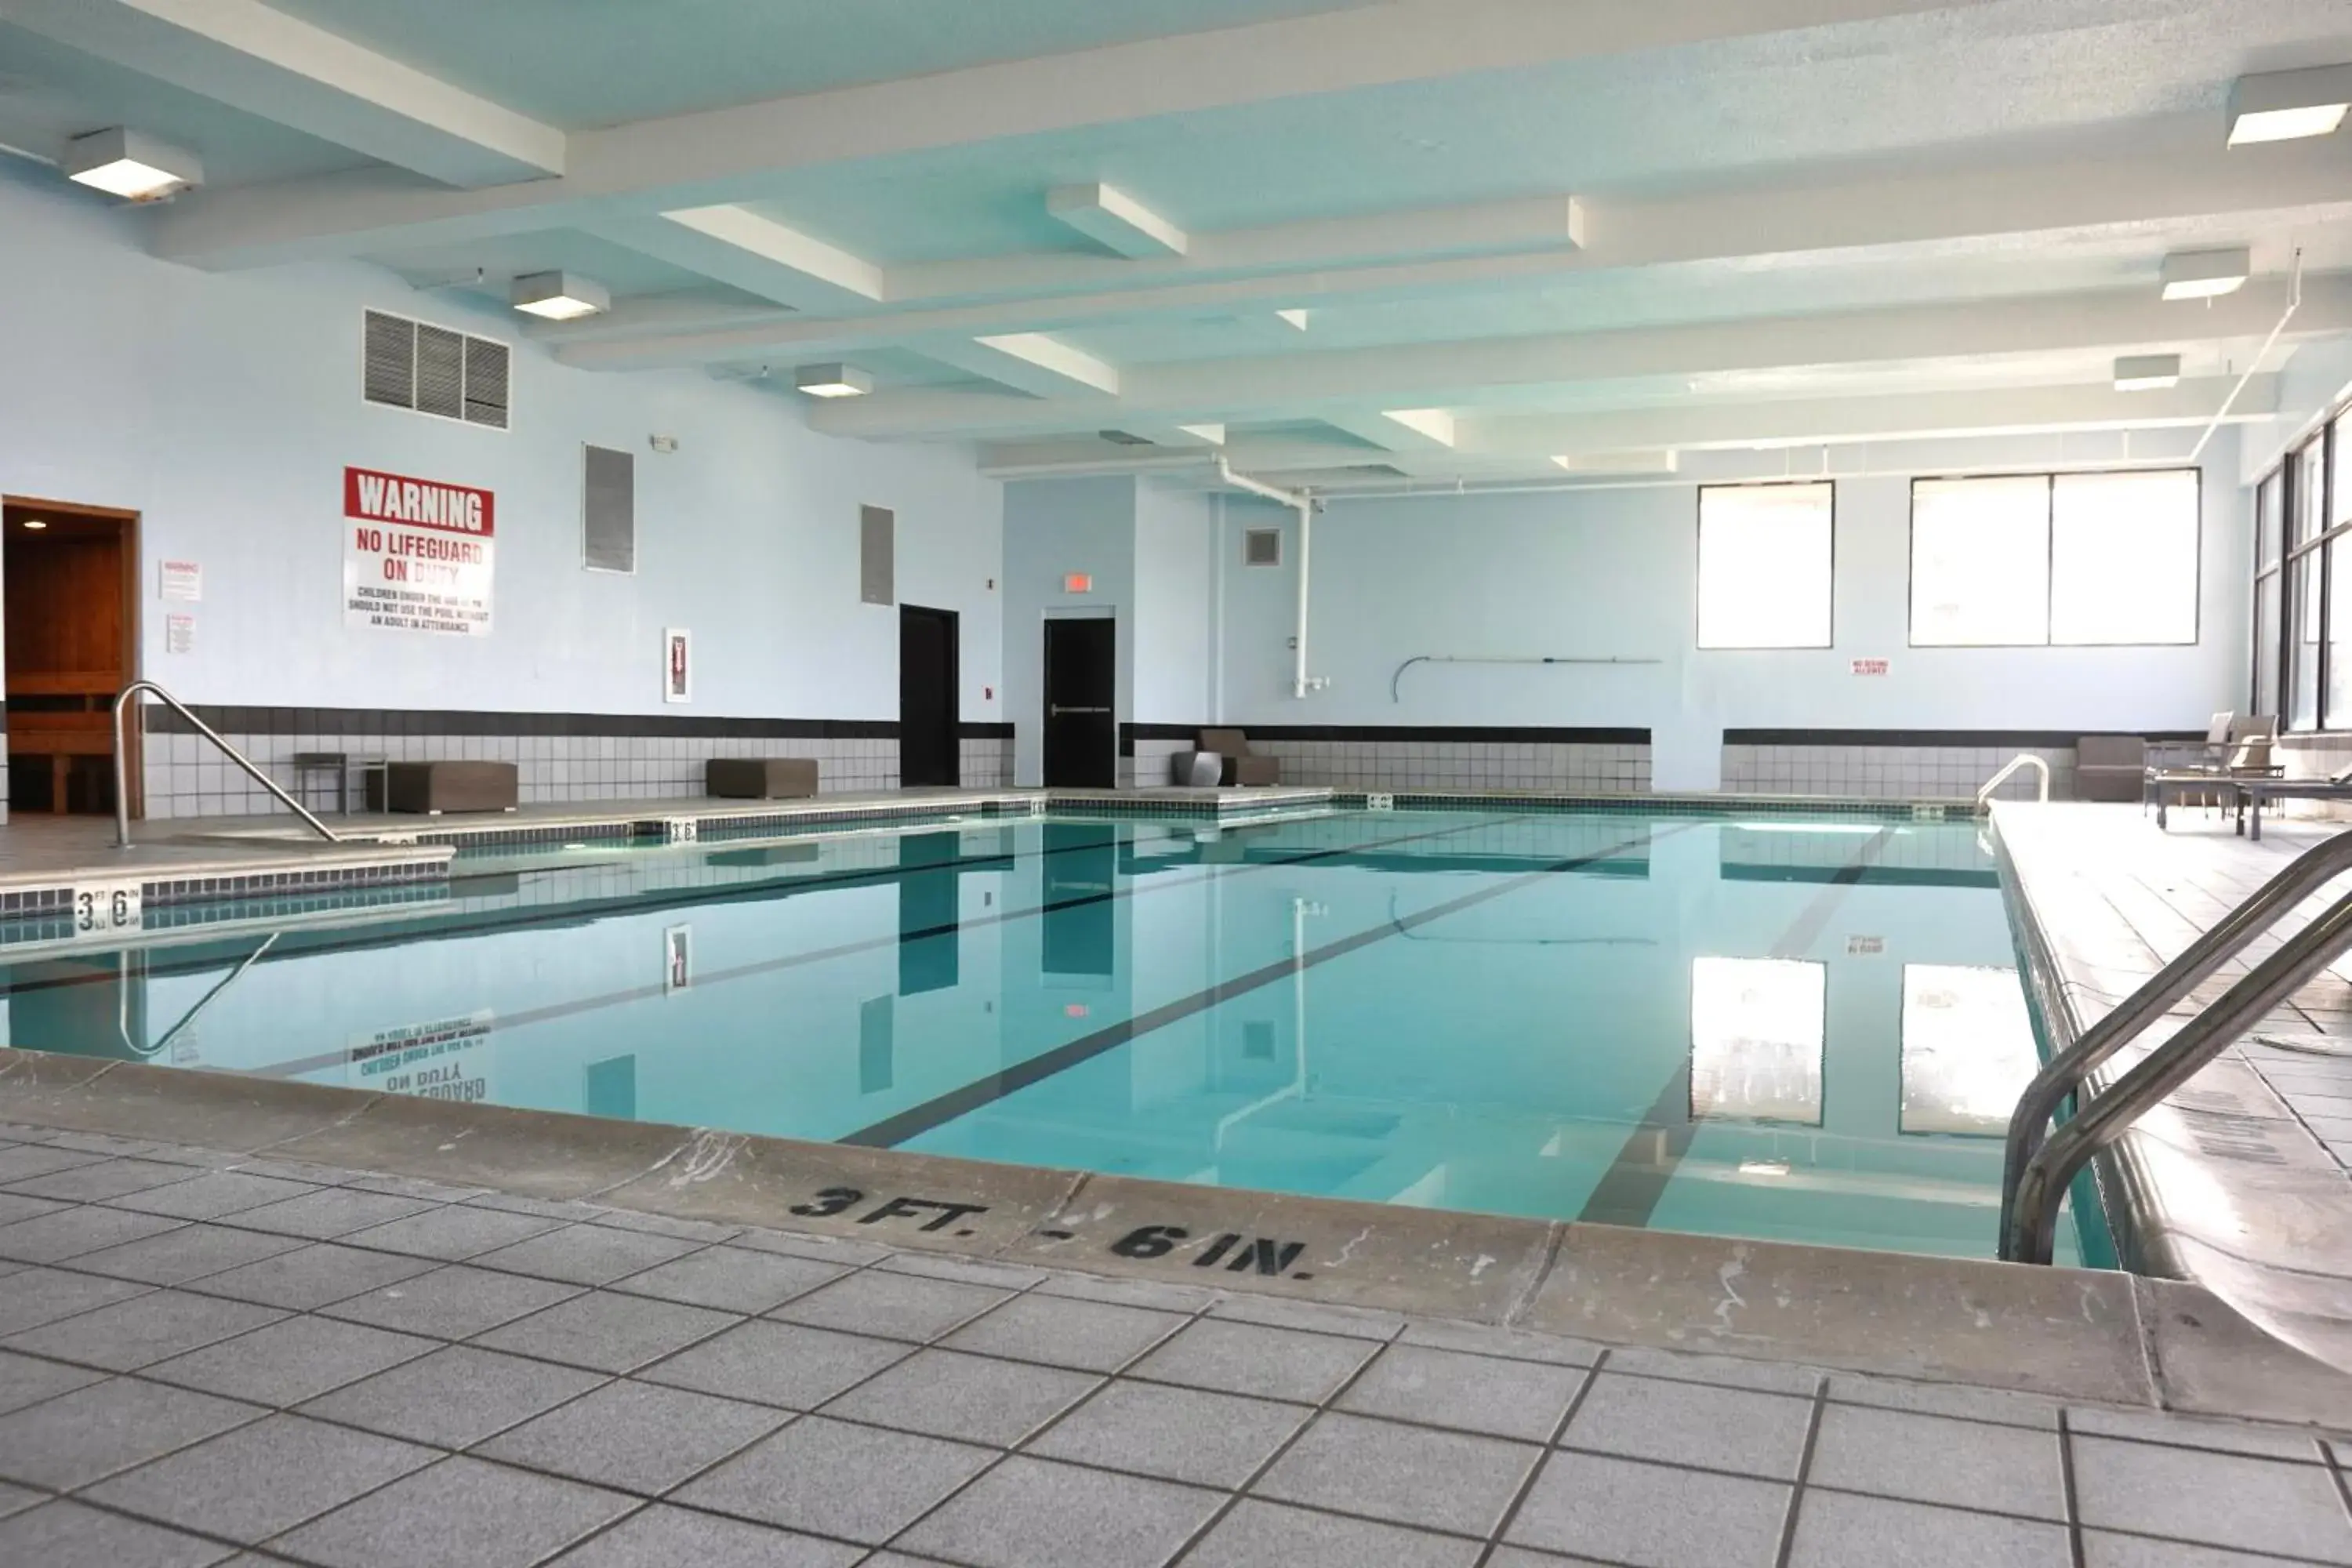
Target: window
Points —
{"points": [[2303, 613], [2073, 560], [1764, 565]]}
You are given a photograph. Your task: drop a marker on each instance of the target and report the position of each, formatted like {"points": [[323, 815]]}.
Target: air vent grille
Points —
{"points": [[877, 576], [1262, 547], [431, 370], [609, 509]]}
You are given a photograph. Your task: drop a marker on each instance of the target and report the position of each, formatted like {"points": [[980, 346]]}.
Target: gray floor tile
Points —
{"points": [[31, 1297], [822, 1248], [608, 1332], [253, 1482], [22, 1161], [837, 1480], [2188, 1431], [1724, 1371], [213, 1194], [1178, 1434], [1243, 1358], [452, 1233], [1412, 1475], [460, 1513], [453, 1397], [291, 1360], [1093, 1336], [777, 1364], [1269, 1535], [895, 1306], [731, 1279], [93, 1432], [143, 1330], [66, 1234], [1692, 1424], [1943, 1399], [14, 1206], [454, 1302], [103, 1145], [1967, 1464], [585, 1254], [2273, 1505], [106, 1179], [663, 1225], [666, 1537], [1650, 1515], [548, 1208], [1480, 1338], [1151, 1293], [2103, 1550], [976, 1399], [311, 1275], [1032, 1513], [324, 1215], [962, 1270], [1475, 1392], [27, 1380], [636, 1437], [1835, 1530], [1311, 1317], [70, 1535], [416, 1187], [14, 1498], [190, 1252]]}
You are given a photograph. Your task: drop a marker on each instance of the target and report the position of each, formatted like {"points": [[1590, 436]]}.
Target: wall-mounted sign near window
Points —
{"points": [[677, 665], [1870, 667], [180, 580], [179, 634], [417, 554]]}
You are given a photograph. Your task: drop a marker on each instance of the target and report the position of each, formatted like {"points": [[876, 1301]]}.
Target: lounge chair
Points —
{"points": [[2253, 791], [2196, 756], [2248, 763]]}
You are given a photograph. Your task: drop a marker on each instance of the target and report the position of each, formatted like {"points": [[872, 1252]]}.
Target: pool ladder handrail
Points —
{"points": [[122, 783], [2022, 760], [2040, 1164]]}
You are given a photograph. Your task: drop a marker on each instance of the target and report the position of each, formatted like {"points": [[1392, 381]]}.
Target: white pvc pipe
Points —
{"points": [[2293, 303], [1305, 505]]}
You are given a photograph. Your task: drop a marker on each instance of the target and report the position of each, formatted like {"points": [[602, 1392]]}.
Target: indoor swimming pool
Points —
{"points": [[1789, 1028]]}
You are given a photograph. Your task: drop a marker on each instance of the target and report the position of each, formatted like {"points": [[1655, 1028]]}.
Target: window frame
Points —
{"points": [[2288, 474], [2050, 478], [1699, 569]]}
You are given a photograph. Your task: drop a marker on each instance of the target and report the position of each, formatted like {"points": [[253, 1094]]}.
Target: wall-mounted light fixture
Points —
{"points": [[2284, 106], [833, 381], [131, 164], [559, 296], [2203, 274]]}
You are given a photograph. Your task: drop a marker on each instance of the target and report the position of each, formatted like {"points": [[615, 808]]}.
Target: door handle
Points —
{"points": [[1056, 710]]}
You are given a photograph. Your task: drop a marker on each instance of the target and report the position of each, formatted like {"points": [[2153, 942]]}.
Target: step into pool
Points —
{"points": [[1775, 1028]]}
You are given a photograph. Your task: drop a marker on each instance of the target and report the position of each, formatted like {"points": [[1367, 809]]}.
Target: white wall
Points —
{"points": [[1176, 537], [1614, 573], [223, 407], [1052, 529]]}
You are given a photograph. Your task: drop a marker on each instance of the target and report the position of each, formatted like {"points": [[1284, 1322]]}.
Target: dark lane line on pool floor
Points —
{"points": [[1629, 1191], [913, 1122], [796, 960]]}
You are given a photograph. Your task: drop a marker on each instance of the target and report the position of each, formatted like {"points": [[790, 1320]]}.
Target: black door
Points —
{"points": [[927, 697], [1081, 685]]}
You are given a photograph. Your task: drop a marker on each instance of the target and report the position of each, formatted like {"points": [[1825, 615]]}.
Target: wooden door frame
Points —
{"points": [[134, 772]]}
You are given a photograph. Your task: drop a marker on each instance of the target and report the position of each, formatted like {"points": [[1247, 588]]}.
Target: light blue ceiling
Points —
{"points": [[581, 63]]}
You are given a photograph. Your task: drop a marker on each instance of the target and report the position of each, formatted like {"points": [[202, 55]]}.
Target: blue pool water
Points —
{"points": [[1807, 1030]]}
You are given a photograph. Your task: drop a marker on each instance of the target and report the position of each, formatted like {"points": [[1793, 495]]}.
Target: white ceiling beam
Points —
{"points": [[1116, 221], [1031, 362], [754, 253], [725, 155], [1398, 429], [1333, 384], [267, 63]]}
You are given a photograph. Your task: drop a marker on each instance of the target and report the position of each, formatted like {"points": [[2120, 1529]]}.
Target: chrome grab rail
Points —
{"points": [[2022, 760], [2038, 1165], [122, 1002], [122, 783]]}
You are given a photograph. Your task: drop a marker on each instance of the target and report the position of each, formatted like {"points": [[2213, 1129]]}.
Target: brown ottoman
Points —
{"points": [[436, 787], [759, 778]]}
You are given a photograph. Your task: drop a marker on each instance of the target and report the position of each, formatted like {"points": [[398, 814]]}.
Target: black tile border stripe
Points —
{"points": [[2059, 739], [1453, 735], [363, 722]]}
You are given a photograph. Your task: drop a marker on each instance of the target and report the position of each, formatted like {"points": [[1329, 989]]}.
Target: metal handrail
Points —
{"points": [[2022, 759], [122, 1002], [2029, 1126], [2030, 1233], [122, 782]]}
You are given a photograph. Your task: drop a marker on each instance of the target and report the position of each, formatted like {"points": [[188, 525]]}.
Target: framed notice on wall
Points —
{"points": [[677, 665]]}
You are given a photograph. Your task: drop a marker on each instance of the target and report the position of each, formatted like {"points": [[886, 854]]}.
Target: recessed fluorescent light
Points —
{"points": [[130, 164], [35, 523], [833, 381], [2148, 372], [2282, 106], [559, 296], [2202, 274]]}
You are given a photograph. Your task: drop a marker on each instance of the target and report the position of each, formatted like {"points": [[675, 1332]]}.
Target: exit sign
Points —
{"points": [[1078, 583]]}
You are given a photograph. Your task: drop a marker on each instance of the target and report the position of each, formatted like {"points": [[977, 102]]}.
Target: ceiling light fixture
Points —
{"points": [[2284, 106], [2203, 274], [559, 296], [2148, 372], [35, 523], [131, 164], [833, 381]]}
